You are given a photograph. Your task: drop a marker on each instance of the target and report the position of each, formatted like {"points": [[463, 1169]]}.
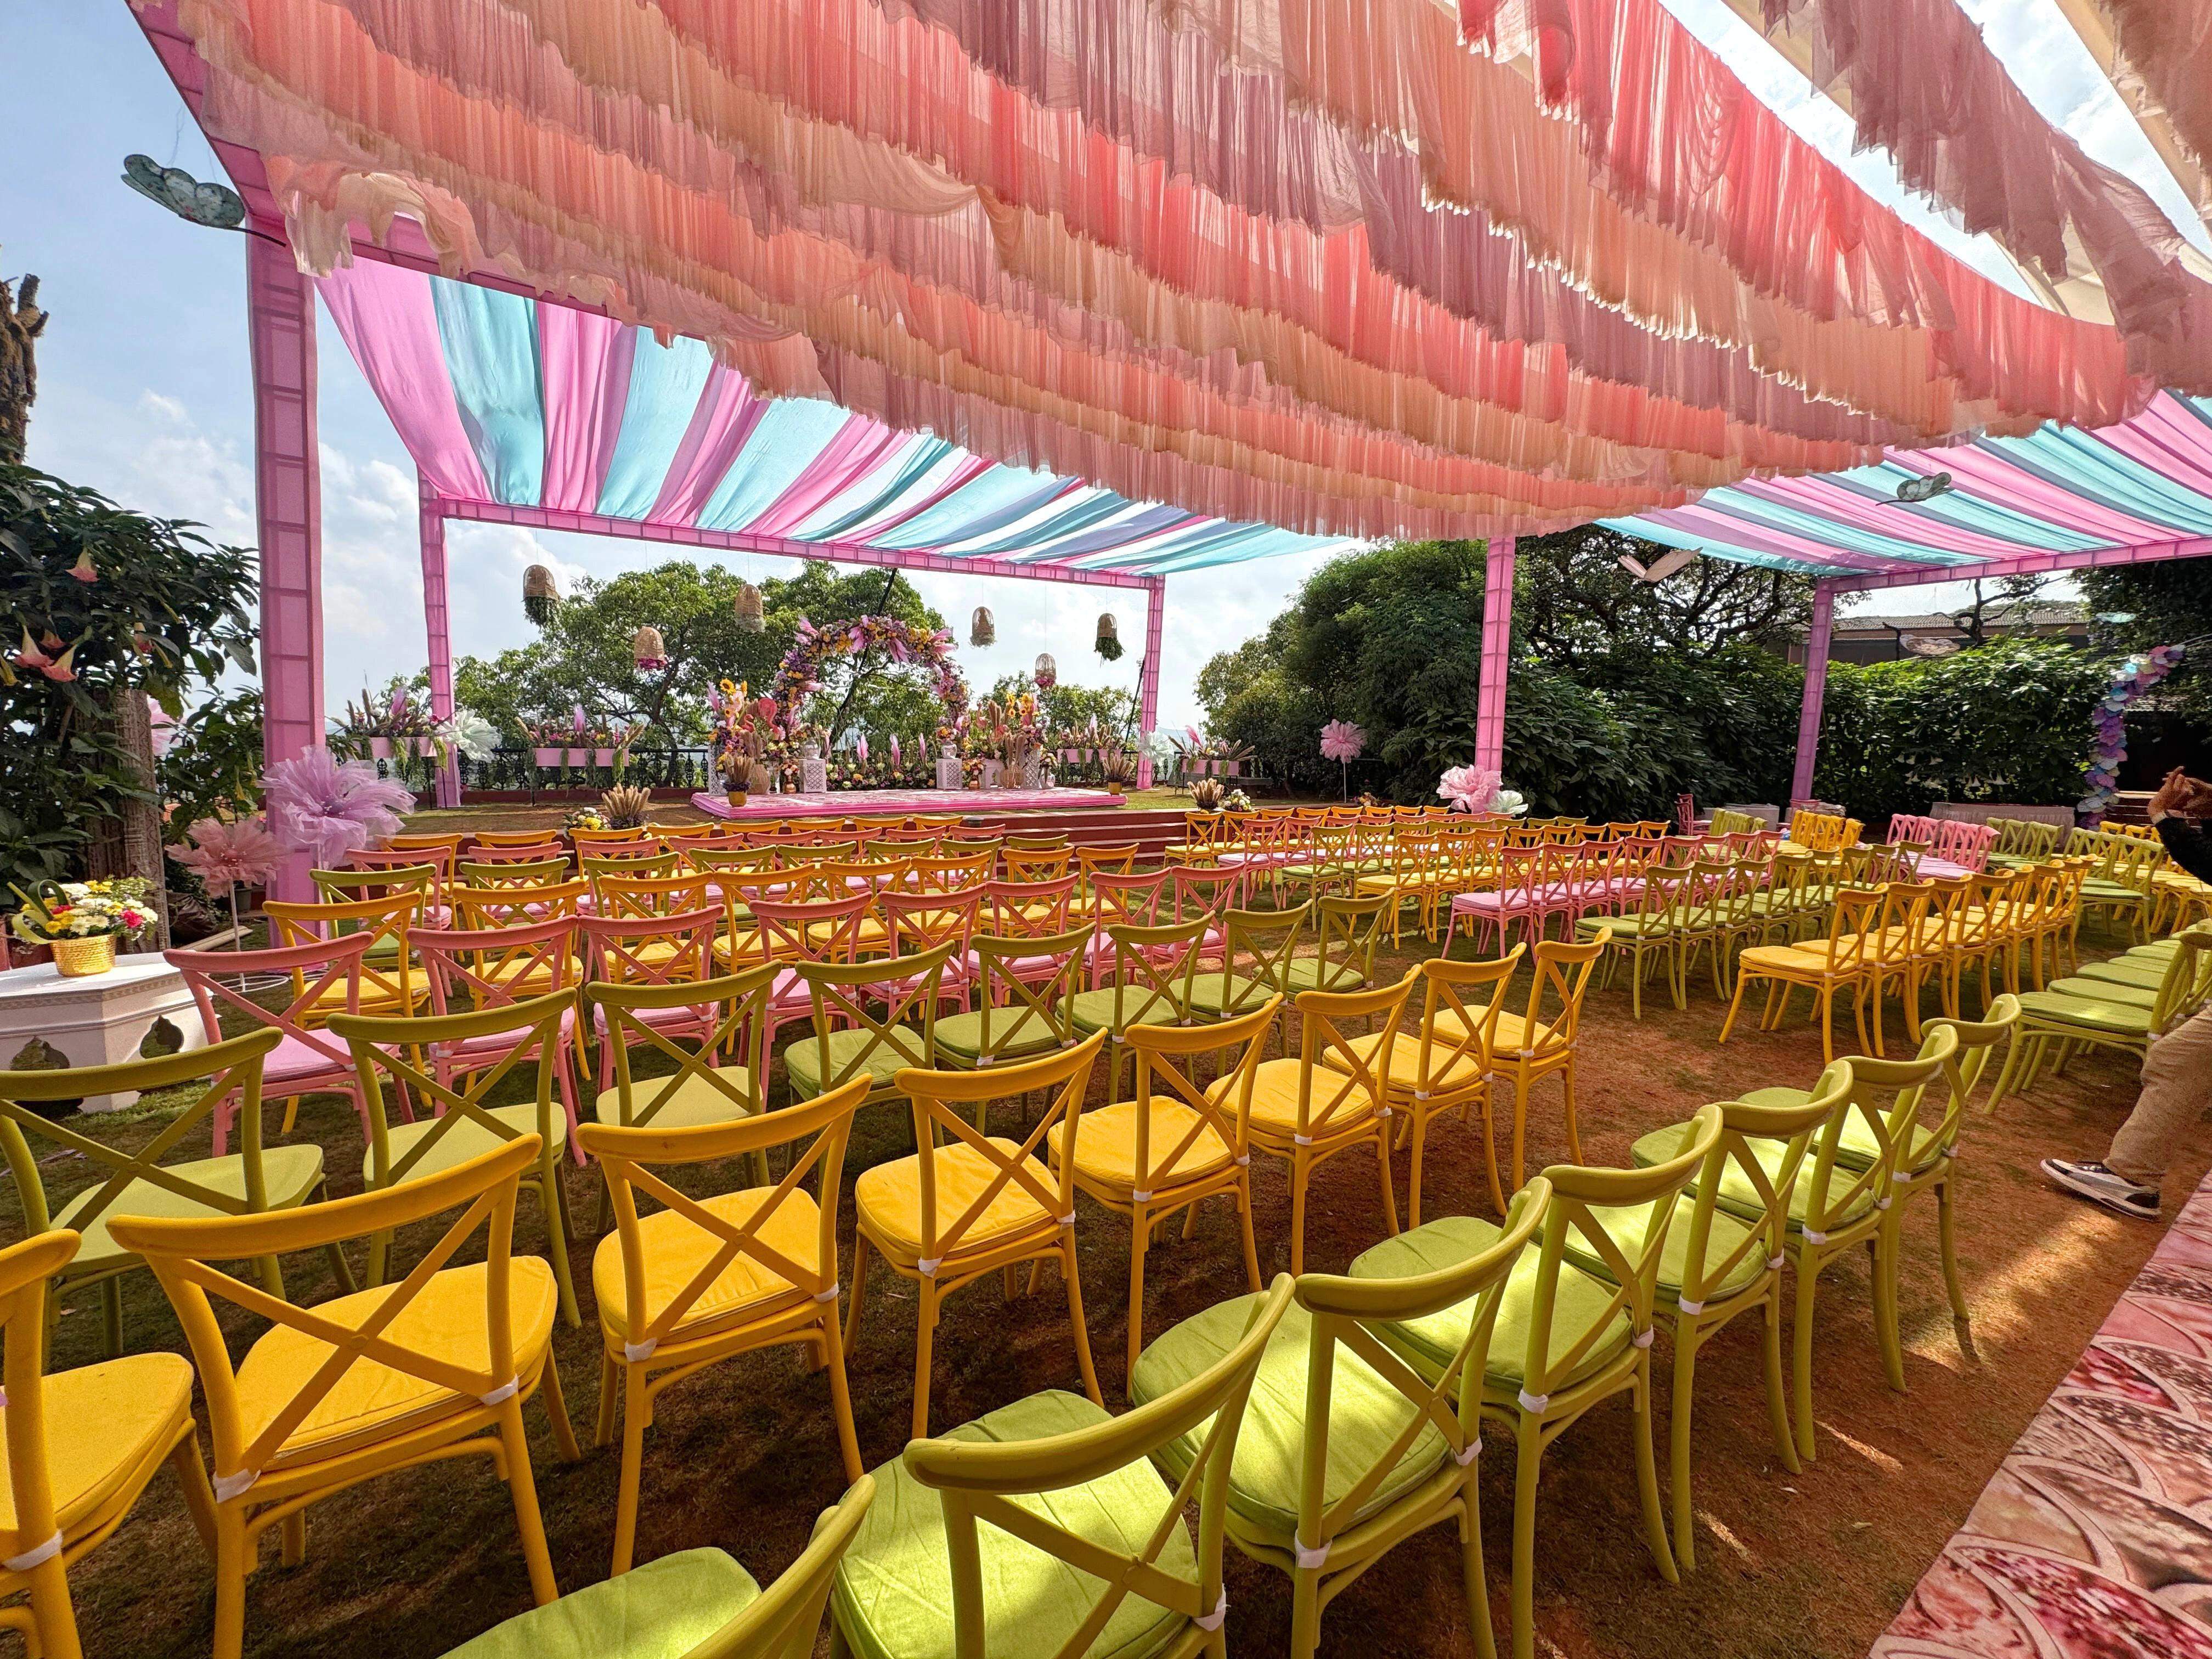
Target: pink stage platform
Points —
{"points": [[885, 803]]}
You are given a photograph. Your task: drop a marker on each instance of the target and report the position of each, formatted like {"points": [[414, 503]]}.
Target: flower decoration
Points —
{"points": [[1476, 789], [327, 808], [2130, 681], [1341, 741], [238, 854], [122, 906]]}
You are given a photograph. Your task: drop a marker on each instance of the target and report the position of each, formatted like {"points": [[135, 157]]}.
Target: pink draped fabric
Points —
{"points": [[2168, 46], [858, 445], [586, 369], [384, 314], [2048, 501], [721, 425], [1220, 263], [2166, 438]]}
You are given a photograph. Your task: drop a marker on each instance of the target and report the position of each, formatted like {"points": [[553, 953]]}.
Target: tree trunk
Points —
{"points": [[130, 843], [21, 324]]}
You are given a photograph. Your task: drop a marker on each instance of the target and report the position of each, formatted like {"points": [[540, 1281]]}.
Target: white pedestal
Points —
{"points": [[96, 1021]]}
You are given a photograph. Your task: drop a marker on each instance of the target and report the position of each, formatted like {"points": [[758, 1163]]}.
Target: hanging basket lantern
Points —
{"points": [[1109, 638], [650, 651], [1047, 673], [541, 597], [752, 615], [981, 630]]}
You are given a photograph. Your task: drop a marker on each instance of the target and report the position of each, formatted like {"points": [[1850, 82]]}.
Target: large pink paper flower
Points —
{"points": [[240, 854], [1468, 788], [1340, 740], [327, 808]]}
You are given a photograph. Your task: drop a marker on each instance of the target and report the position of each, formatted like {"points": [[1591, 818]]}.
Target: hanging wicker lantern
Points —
{"points": [[752, 615], [1109, 638], [1047, 672], [981, 630], [650, 651], [541, 597]]}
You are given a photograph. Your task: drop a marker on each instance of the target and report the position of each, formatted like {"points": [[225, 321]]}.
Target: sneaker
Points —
{"points": [[2104, 1185]]}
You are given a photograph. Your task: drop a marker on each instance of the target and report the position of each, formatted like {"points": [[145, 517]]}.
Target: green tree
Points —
{"points": [[2135, 607], [583, 654]]}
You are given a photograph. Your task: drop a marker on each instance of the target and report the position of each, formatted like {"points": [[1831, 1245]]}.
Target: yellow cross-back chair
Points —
{"points": [[695, 1604], [1541, 1039], [1837, 1205], [424, 841], [1152, 974], [1346, 933], [465, 1124], [82, 1446], [1043, 1528], [1025, 987], [434, 1367], [721, 1080], [252, 1179], [1453, 1055], [392, 981], [2054, 1022], [1565, 1340], [1348, 1450], [1719, 1263], [698, 1280], [967, 1204], [626, 895], [1176, 1143], [511, 873], [872, 1019], [548, 836], [1306, 1112], [673, 832], [1842, 960]]}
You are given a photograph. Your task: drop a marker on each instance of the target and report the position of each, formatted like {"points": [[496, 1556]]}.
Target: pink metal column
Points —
{"points": [[1148, 675], [1496, 655], [436, 623], [288, 500], [1816, 689]]}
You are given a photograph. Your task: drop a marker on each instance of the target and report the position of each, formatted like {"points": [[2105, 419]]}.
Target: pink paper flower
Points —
{"points": [[1469, 789], [327, 808], [241, 854], [1340, 740]]}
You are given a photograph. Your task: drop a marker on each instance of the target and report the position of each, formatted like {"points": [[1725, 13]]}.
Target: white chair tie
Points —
{"points": [[1308, 1560], [35, 1558], [1302, 1140], [1812, 1237], [1213, 1621], [1244, 1160], [1140, 1195], [633, 1352], [1692, 1308], [1882, 1203], [1644, 1337], [1900, 1179], [1068, 1220], [1473, 1450], [1776, 1263], [1420, 1094], [928, 1264], [982, 1061], [505, 1392], [1537, 1403], [228, 1486], [830, 1295]]}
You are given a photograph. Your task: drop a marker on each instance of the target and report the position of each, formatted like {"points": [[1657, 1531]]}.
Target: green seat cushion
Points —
{"points": [[288, 1173], [2085, 989], [1856, 1148], [1311, 974], [1583, 1301], [695, 1101], [851, 1054], [2109, 891], [2142, 976], [661, 1610], [1630, 927], [1738, 1196], [1365, 1415], [2104, 1014], [1014, 1032], [893, 1598], [463, 1141], [1141, 1005], [1234, 994], [1723, 1235]]}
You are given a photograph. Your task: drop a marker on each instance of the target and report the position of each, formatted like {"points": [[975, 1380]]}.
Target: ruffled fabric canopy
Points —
{"points": [[2146, 483], [520, 402], [1324, 265]]}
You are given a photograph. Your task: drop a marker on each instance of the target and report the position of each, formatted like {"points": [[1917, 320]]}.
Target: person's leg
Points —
{"points": [[2176, 1078]]}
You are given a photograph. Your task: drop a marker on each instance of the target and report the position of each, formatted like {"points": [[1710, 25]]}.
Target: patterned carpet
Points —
{"points": [[2093, 1540]]}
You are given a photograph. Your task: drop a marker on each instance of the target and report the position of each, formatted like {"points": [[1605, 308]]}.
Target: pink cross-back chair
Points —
{"points": [[810, 930], [325, 979], [475, 968], [671, 950]]}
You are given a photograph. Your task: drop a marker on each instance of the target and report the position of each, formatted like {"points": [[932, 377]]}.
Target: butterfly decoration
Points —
{"points": [[1661, 568], [217, 206], [1923, 489]]}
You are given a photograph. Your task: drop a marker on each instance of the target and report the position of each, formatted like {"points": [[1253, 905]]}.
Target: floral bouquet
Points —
{"points": [[82, 921], [585, 818], [392, 725], [1476, 789]]}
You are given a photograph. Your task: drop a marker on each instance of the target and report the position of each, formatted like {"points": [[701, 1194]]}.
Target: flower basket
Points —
{"points": [[547, 759], [82, 958]]}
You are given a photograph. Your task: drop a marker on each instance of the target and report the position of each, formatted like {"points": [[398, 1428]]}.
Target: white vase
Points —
{"points": [[813, 771], [1029, 771], [949, 771]]}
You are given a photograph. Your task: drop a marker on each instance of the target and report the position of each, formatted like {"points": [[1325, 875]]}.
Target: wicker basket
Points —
{"points": [[82, 958]]}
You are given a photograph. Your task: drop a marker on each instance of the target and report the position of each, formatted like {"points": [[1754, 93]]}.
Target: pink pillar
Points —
{"points": [[437, 623], [1148, 675], [1816, 689], [1496, 655], [288, 500]]}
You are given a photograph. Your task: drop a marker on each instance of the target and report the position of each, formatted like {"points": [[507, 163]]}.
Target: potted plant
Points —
{"points": [[547, 744], [82, 921]]}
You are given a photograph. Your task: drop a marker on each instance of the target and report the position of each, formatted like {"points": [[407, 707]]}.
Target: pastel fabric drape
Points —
{"points": [[2167, 46], [1313, 263], [2144, 483]]}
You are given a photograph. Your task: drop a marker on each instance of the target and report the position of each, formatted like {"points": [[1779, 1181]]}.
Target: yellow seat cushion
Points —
{"points": [[1457, 1070], [1106, 1145], [695, 1102], [882, 1055], [373, 1402], [1515, 1037], [1582, 1302], [887, 1201], [674, 1248], [289, 1175], [108, 1426], [462, 1142], [1275, 1101], [1799, 959]]}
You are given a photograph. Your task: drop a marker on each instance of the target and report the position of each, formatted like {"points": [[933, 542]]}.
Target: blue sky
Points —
{"points": [[144, 392]]}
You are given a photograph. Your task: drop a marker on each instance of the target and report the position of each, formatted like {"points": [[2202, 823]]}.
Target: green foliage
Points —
{"points": [[583, 655], [165, 609], [1066, 707], [2008, 721], [2165, 604], [212, 767]]}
